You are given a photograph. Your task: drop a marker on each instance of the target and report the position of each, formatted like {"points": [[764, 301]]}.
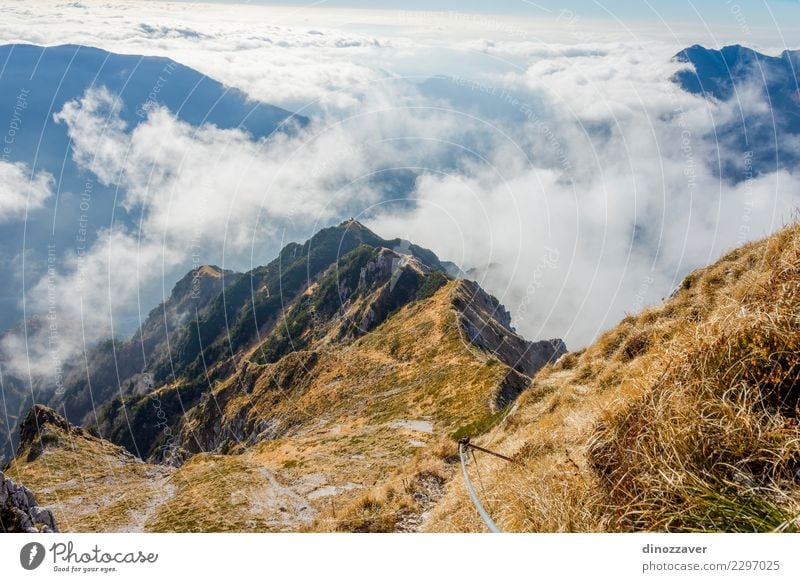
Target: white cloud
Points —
{"points": [[209, 185], [616, 174], [76, 302], [593, 201], [22, 191]]}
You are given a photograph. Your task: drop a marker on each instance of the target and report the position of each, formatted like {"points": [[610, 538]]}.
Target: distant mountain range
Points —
{"points": [[757, 131], [36, 82], [764, 95]]}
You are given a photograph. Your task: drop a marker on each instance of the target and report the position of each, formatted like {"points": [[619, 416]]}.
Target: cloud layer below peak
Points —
{"points": [[575, 181]]}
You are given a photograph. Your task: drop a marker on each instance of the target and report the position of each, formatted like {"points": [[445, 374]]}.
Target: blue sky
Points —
{"points": [[753, 13]]}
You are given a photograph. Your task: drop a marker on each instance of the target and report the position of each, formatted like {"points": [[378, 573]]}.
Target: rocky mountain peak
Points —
{"points": [[354, 225], [37, 420], [42, 427]]}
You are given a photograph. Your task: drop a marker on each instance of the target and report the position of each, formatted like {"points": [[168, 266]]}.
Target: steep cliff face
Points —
{"points": [[486, 324]]}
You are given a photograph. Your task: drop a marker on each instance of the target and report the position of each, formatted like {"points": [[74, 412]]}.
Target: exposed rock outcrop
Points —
{"points": [[19, 512], [393, 279], [42, 427], [486, 324]]}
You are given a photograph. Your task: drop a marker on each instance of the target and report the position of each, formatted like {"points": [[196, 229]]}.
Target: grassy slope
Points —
{"points": [[683, 417], [90, 484]]}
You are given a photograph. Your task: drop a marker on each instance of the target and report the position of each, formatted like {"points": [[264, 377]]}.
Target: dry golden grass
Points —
{"points": [[713, 443], [683, 417], [402, 501]]}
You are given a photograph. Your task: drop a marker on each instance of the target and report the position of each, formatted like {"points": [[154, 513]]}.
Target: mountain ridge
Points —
{"points": [[360, 435], [389, 359], [729, 76]]}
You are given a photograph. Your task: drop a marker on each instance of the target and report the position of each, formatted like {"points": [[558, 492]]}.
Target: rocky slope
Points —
{"points": [[19, 512], [90, 484], [326, 393]]}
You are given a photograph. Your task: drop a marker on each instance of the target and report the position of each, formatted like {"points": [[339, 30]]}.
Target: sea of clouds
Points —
{"points": [[560, 167]]}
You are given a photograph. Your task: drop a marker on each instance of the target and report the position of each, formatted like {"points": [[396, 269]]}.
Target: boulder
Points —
{"points": [[19, 512]]}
